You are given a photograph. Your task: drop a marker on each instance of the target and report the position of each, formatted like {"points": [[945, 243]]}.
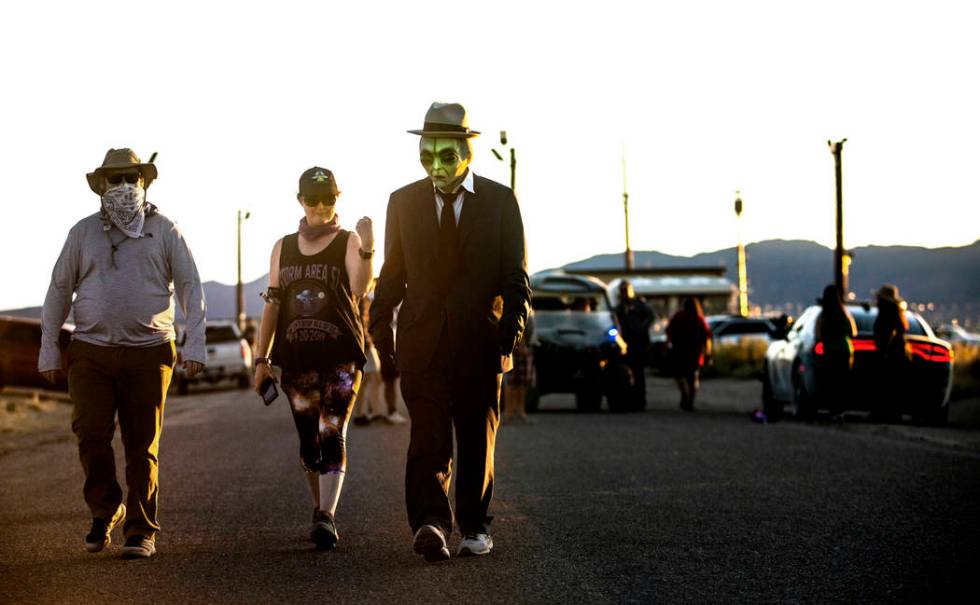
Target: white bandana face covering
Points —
{"points": [[125, 206]]}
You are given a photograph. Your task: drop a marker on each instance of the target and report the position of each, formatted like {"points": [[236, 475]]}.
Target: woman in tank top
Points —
{"points": [[317, 338]]}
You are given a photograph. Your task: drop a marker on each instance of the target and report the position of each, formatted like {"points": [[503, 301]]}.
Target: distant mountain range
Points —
{"points": [[794, 271], [779, 272]]}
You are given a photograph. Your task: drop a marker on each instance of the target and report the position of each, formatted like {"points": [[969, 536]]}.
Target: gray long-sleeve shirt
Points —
{"points": [[130, 304]]}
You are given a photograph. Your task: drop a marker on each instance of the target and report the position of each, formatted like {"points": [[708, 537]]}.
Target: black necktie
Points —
{"points": [[448, 240]]}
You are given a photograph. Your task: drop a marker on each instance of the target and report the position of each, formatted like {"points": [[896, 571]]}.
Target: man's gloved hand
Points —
{"points": [[506, 343]]}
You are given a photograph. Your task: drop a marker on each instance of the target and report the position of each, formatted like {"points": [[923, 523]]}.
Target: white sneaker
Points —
{"points": [[473, 545], [395, 418]]}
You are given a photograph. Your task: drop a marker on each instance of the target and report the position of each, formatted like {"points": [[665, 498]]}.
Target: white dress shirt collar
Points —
{"points": [[467, 184]]}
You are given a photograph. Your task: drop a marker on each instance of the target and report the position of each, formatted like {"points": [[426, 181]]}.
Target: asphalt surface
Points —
{"points": [[655, 507]]}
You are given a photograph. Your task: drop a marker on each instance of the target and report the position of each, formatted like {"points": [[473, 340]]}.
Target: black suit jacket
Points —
{"points": [[492, 270]]}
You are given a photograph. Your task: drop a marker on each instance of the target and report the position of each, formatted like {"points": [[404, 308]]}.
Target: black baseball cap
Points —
{"points": [[318, 183]]}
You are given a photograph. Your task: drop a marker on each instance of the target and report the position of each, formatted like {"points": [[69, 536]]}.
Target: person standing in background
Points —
{"points": [[635, 318], [520, 379], [891, 352], [835, 331], [368, 397], [688, 343]]}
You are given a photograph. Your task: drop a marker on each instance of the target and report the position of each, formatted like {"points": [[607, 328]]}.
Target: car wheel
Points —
{"points": [[770, 407], [935, 415], [588, 399], [244, 381], [531, 400], [803, 408], [939, 416]]}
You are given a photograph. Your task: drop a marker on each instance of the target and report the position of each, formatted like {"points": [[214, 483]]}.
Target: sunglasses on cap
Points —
{"points": [[312, 202], [119, 177]]}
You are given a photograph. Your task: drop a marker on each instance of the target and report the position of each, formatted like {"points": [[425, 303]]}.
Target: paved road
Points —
{"points": [[660, 506]]}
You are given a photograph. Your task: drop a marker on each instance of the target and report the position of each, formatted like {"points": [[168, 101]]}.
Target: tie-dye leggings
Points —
{"points": [[321, 401]]}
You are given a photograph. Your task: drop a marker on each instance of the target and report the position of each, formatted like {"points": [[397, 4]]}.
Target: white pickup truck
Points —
{"points": [[229, 357]]}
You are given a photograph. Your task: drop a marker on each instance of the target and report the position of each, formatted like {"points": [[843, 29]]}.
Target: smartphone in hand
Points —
{"points": [[269, 390]]}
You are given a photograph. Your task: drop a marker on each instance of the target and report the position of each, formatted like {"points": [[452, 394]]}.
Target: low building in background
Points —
{"points": [[665, 288]]}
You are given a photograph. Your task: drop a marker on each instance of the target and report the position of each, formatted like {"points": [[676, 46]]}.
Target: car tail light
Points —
{"points": [[863, 344], [859, 344], [246, 353], [931, 352]]}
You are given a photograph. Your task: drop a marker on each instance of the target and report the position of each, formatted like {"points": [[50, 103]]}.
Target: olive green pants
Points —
{"points": [[131, 382]]}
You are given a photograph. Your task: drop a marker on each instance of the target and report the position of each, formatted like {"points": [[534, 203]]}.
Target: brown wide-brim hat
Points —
{"points": [[447, 121], [890, 293], [117, 160]]}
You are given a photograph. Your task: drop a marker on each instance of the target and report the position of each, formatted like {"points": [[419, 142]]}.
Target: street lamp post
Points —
{"points": [[239, 287], [841, 259], [743, 290], [628, 254], [513, 161]]}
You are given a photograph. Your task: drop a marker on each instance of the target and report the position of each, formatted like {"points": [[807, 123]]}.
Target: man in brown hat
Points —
{"points": [[124, 264], [891, 353], [455, 259]]}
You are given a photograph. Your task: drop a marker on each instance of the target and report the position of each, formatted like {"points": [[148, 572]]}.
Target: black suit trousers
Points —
{"points": [[439, 399]]}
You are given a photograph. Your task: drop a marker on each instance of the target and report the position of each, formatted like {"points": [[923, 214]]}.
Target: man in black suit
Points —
{"points": [[456, 261]]}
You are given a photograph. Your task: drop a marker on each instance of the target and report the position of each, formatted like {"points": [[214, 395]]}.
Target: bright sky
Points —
{"points": [[705, 98]]}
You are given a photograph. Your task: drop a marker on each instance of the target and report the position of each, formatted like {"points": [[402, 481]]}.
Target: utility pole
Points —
{"points": [[743, 289], [239, 287], [841, 259], [628, 258], [513, 161]]}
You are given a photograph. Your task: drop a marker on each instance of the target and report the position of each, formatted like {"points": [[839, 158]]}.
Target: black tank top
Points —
{"points": [[318, 325]]}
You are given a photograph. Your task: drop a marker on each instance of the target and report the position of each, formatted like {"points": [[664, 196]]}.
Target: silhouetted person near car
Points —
{"points": [[891, 351], [635, 318], [454, 245], [688, 343], [124, 265], [312, 323], [835, 330]]}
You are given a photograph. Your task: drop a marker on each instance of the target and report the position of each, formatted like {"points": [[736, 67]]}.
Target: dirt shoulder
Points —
{"points": [[31, 418]]}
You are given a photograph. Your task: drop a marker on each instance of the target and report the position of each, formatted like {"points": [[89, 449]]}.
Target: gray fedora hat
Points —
{"points": [[446, 120]]}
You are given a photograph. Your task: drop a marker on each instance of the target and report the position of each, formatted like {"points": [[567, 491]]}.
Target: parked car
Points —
{"points": [[578, 347], [20, 344], [956, 334], [735, 329], [229, 357], [790, 369], [726, 330]]}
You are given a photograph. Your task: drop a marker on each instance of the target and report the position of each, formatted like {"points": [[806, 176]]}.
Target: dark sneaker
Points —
{"points": [[324, 532], [474, 545], [138, 547], [362, 420], [100, 535], [430, 542]]}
